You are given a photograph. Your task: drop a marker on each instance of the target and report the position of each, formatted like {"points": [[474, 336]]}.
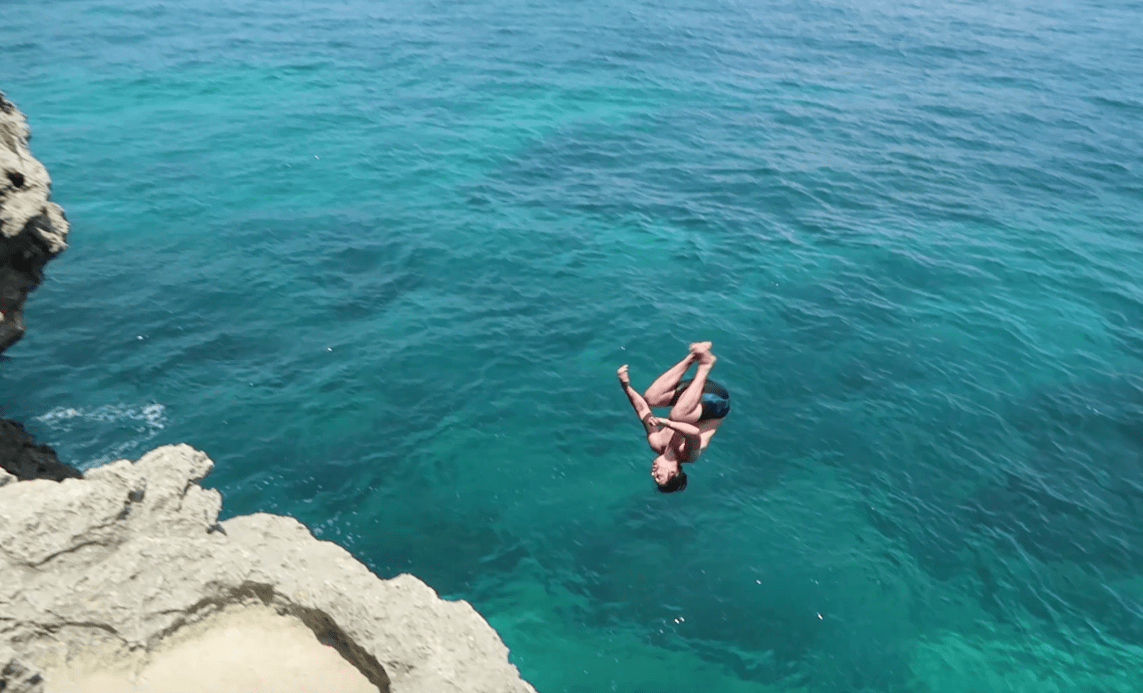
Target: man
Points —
{"points": [[698, 407]]}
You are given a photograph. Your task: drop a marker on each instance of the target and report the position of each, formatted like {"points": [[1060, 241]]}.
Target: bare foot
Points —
{"points": [[706, 358], [622, 373], [700, 348]]}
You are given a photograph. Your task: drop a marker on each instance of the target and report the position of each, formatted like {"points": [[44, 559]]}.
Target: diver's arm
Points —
{"points": [[688, 430], [642, 409], [690, 433]]}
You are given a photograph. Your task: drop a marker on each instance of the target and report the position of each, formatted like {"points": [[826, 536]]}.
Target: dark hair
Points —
{"points": [[675, 484]]}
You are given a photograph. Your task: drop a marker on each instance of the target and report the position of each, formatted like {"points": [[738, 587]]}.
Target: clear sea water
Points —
{"points": [[381, 260]]}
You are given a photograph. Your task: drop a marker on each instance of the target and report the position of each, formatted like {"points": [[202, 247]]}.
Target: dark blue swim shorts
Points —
{"points": [[715, 399]]}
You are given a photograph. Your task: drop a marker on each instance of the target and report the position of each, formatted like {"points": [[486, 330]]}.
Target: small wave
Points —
{"points": [[91, 436], [151, 416]]}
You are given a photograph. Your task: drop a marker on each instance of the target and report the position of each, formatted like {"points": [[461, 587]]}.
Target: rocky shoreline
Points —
{"points": [[25, 459], [122, 578], [100, 571]]}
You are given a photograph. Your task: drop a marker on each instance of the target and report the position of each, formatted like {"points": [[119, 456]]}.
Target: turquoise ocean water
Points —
{"points": [[381, 260]]}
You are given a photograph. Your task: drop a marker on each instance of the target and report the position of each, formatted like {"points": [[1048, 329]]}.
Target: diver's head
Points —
{"points": [[668, 475]]}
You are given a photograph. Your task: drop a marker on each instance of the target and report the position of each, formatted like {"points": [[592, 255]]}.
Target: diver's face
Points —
{"points": [[663, 471]]}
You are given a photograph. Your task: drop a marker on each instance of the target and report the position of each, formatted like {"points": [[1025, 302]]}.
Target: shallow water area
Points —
{"points": [[381, 261]]}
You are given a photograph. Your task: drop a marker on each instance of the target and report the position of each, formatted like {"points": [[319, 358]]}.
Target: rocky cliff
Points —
{"points": [[101, 574], [32, 229]]}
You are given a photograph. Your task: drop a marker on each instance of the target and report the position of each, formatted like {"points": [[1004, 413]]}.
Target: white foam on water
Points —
{"points": [[145, 421], [150, 416]]}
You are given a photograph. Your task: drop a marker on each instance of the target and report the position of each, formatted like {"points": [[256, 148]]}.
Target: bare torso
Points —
{"points": [[673, 444]]}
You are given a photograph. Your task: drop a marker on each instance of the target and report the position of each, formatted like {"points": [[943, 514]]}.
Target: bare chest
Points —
{"points": [[672, 443]]}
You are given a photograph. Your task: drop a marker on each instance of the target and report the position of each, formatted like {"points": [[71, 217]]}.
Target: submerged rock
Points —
{"points": [[107, 568], [33, 230]]}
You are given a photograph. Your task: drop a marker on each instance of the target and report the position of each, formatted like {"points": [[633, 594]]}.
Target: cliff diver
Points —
{"points": [[698, 406]]}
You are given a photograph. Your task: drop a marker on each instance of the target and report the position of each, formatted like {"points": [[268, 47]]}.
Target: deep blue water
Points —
{"points": [[381, 260]]}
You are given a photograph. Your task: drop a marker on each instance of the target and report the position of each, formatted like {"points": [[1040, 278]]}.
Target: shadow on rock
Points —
{"points": [[25, 459]]}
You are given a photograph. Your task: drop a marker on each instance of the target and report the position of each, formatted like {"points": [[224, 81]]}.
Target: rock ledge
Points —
{"points": [[111, 565]]}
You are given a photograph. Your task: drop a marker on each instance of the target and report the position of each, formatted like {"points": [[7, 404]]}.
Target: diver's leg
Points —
{"points": [[688, 408], [662, 391]]}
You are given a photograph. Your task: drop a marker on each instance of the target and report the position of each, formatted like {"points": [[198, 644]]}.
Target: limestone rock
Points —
{"points": [[33, 230], [131, 553], [23, 458]]}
